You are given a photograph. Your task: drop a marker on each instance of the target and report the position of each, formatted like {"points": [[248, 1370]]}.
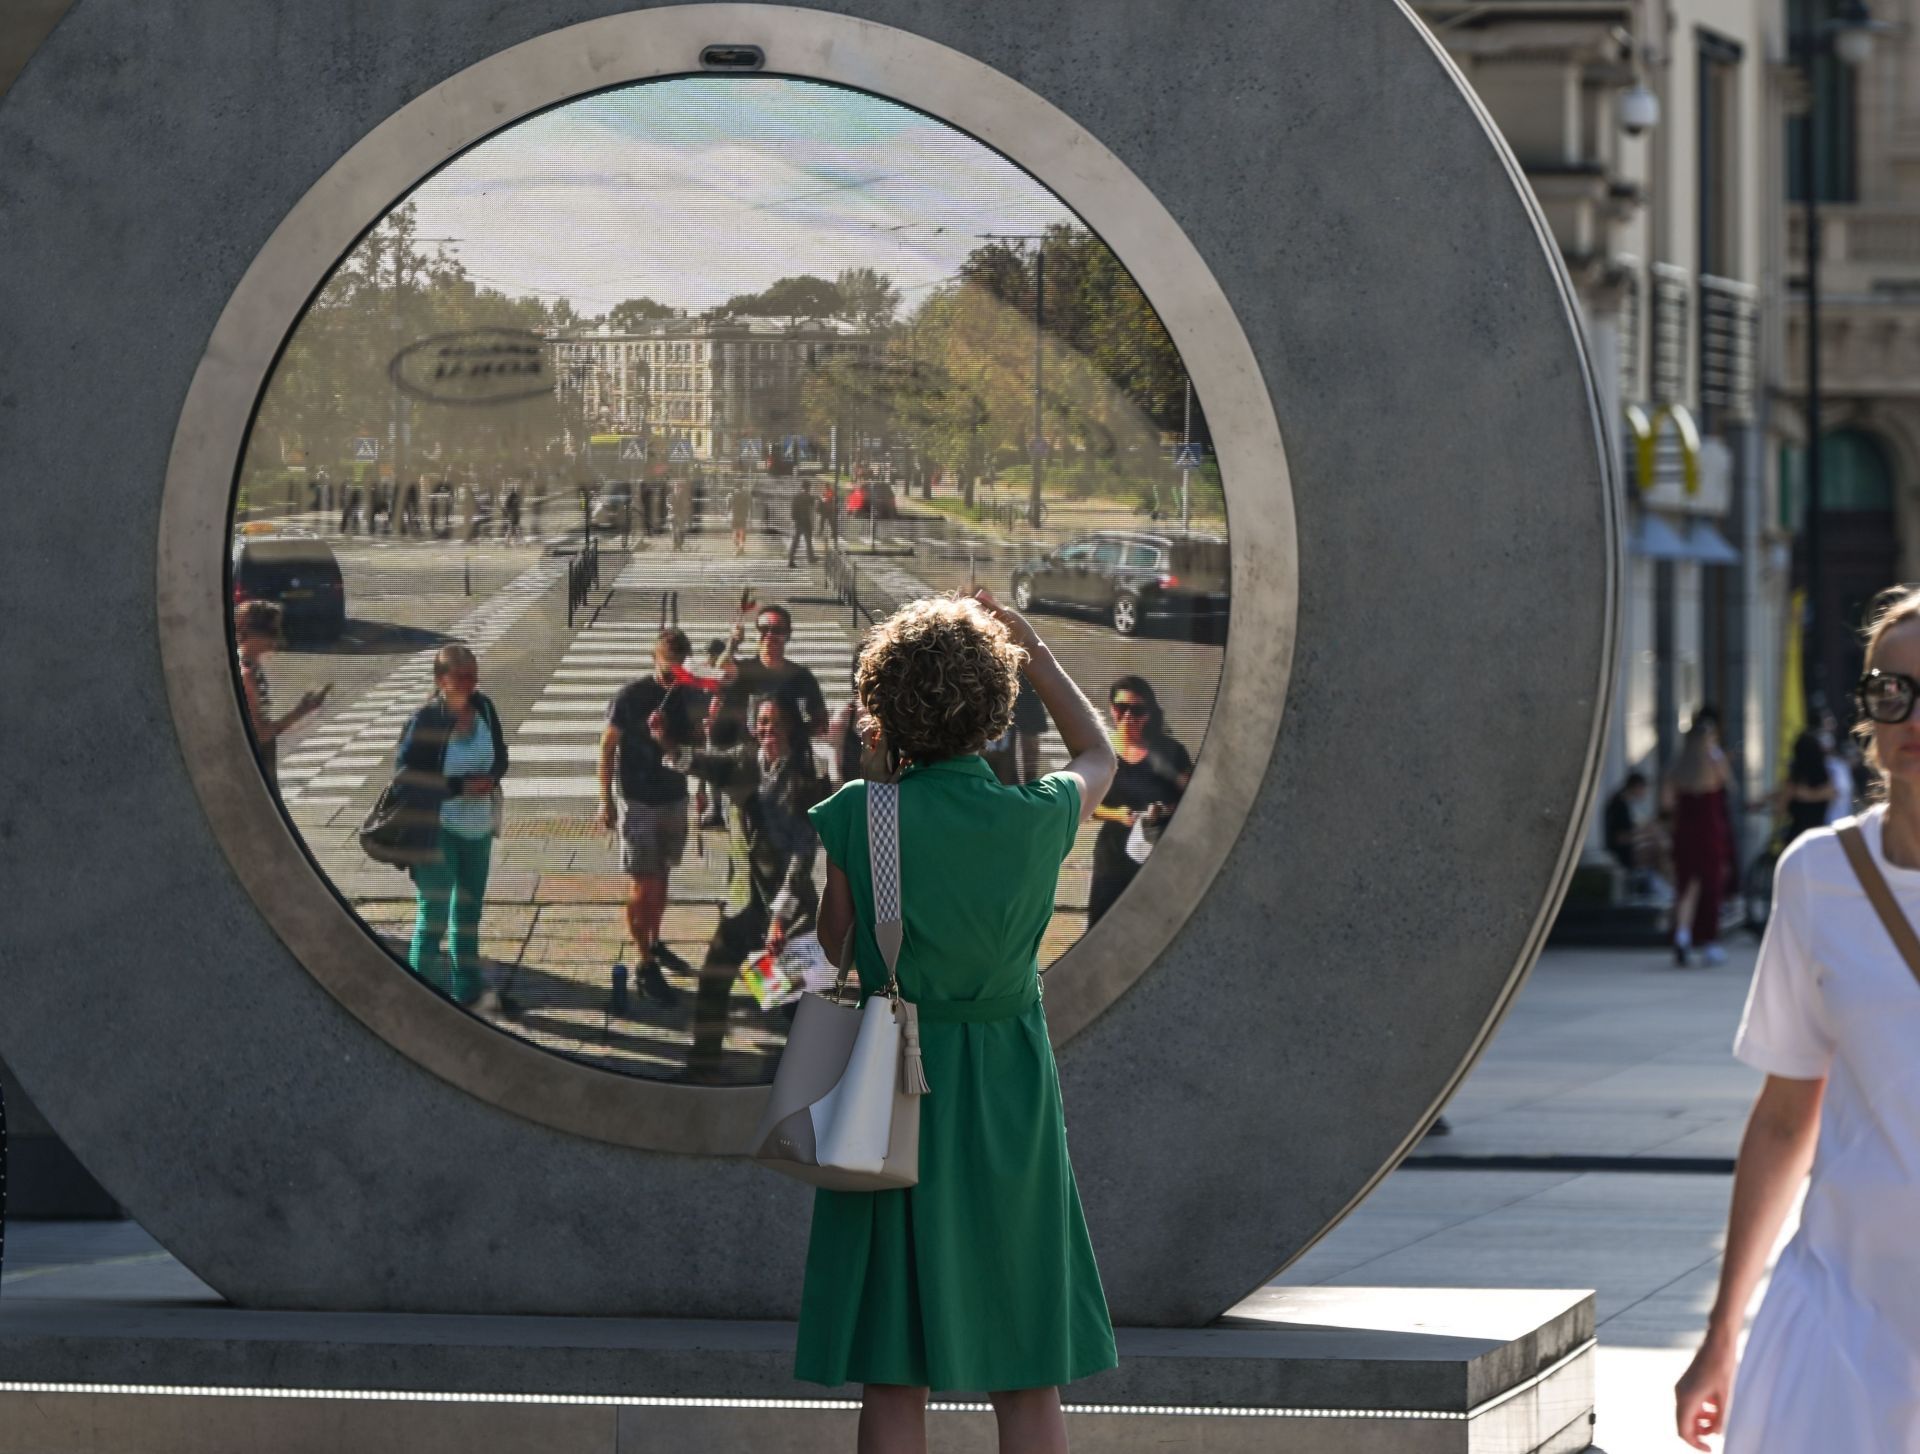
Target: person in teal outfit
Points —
{"points": [[982, 1276], [447, 771]]}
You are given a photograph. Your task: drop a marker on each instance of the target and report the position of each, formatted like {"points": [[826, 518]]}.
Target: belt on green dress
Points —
{"points": [[979, 1012]]}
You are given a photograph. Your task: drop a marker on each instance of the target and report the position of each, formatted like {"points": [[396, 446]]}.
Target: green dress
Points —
{"points": [[982, 1276]]}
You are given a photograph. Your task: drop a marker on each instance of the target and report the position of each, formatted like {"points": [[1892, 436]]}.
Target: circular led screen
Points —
{"points": [[578, 482]]}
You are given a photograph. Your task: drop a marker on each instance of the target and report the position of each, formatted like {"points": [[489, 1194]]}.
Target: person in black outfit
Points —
{"points": [[771, 780], [801, 508], [651, 815], [1152, 774], [1014, 756], [1622, 828], [1806, 797]]}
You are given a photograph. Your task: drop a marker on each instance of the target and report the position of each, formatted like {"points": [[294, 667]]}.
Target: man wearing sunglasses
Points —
{"points": [[769, 673]]}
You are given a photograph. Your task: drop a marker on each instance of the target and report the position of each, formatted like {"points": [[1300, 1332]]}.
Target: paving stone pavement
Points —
{"points": [[1608, 1056]]}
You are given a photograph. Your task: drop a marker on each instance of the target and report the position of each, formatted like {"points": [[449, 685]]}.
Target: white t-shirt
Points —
{"points": [[1833, 1362]]}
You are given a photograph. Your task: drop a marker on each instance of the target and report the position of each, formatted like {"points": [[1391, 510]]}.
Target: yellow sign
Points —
{"points": [[1646, 444]]}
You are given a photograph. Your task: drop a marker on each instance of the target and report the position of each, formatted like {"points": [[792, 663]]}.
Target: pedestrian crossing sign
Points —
{"points": [[681, 453], [1186, 456], [633, 449], [366, 449]]}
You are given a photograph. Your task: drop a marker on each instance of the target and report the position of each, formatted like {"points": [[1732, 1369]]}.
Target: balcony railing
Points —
{"points": [[1729, 346], [1667, 332], [1866, 237]]}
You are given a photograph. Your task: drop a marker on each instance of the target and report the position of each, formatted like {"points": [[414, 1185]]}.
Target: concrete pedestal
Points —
{"points": [[1336, 1370]]}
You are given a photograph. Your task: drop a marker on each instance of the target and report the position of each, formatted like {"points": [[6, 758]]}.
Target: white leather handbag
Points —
{"points": [[845, 1108]]}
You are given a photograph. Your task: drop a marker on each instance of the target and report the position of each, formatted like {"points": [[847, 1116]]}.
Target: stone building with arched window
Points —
{"points": [[1865, 181]]}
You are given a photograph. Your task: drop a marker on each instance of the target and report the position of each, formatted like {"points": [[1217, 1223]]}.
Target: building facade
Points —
{"points": [[1651, 133], [1865, 183], [727, 386]]}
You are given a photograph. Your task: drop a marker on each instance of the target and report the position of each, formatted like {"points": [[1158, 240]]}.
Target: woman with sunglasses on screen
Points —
{"points": [[1152, 774], [447, 770], [1833, 1018]]}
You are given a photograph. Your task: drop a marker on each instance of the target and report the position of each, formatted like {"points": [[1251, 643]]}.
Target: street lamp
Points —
{"points": [[1847, 32]]}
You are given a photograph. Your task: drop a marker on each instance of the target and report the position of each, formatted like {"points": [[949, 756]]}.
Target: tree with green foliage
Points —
{"points": [[805, 296], [868, 297], [332, 381], [626, 317]]}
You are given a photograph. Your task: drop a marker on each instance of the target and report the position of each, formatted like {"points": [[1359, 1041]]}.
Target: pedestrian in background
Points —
{"points": [[1014, 756], [258, 632], [447, 771], [511, 512], [1634, 837], [982, 1275], [829, 513], [802, 512], [1842, 767], [1151, 775], [852, 760], [1833, 1019], [682, 511], [1806, 794], [1695, 799], [740, 507]]}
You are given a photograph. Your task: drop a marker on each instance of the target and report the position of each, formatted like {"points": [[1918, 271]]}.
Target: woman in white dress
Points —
{"points": [[1833, 1361]]}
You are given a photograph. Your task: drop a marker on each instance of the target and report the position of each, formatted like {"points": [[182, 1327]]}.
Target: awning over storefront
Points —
{"points": [[1710, 546], [1653, 538]]}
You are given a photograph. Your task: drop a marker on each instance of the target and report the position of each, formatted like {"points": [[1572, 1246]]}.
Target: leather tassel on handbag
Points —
{"points": [[844, 1112]]}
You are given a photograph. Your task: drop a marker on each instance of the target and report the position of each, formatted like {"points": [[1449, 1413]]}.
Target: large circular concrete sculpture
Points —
{"points": [[1409, 713]]}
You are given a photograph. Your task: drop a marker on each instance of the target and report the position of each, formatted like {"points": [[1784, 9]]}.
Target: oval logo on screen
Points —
{"points": [[476, 366]]}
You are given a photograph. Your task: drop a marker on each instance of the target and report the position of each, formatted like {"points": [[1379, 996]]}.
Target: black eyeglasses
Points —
{"points": [[1887, 696], [774, 628], [1130, 708]]}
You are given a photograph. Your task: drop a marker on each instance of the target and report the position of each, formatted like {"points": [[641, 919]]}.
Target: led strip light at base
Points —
{"points": [[773, 1405]]}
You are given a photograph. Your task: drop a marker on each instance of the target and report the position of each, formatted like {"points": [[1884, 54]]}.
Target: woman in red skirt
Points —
{"points": [[1696, 798]]}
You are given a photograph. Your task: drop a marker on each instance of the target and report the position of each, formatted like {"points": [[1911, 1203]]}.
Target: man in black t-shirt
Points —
{"points": [[769, 674], [651, 812]]}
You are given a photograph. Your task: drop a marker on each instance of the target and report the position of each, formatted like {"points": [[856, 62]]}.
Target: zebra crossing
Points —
{"points": [[346, 746]]}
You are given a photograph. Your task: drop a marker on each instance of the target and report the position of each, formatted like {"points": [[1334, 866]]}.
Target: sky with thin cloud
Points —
{"points": [[694, 189]]}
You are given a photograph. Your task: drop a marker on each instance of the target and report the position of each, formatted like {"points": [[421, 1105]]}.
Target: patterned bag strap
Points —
{"points": [[883, 853], [1879, 895]]}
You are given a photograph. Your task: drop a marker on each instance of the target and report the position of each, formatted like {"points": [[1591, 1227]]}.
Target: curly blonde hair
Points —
{"points": [[939, 676]]}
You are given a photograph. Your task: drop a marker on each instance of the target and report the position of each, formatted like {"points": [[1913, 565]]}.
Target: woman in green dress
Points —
{"points": [[981, 1277]]}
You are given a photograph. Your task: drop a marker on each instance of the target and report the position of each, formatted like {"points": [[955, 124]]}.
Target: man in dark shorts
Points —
{"points": [[651, 813]]}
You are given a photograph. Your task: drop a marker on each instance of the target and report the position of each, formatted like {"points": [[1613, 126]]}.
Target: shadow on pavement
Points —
{"points": [[373, 638]]}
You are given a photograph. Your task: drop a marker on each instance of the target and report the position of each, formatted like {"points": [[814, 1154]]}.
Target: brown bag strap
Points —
{"points": [[1879, 895]]}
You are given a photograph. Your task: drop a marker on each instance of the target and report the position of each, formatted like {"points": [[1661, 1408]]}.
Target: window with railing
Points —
{"points": [[1729, 327], [1668, 330], [1632, 337]]}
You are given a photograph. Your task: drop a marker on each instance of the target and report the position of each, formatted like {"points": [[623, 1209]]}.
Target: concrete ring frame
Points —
{"points": [[1382, 278], [448, 121]]}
